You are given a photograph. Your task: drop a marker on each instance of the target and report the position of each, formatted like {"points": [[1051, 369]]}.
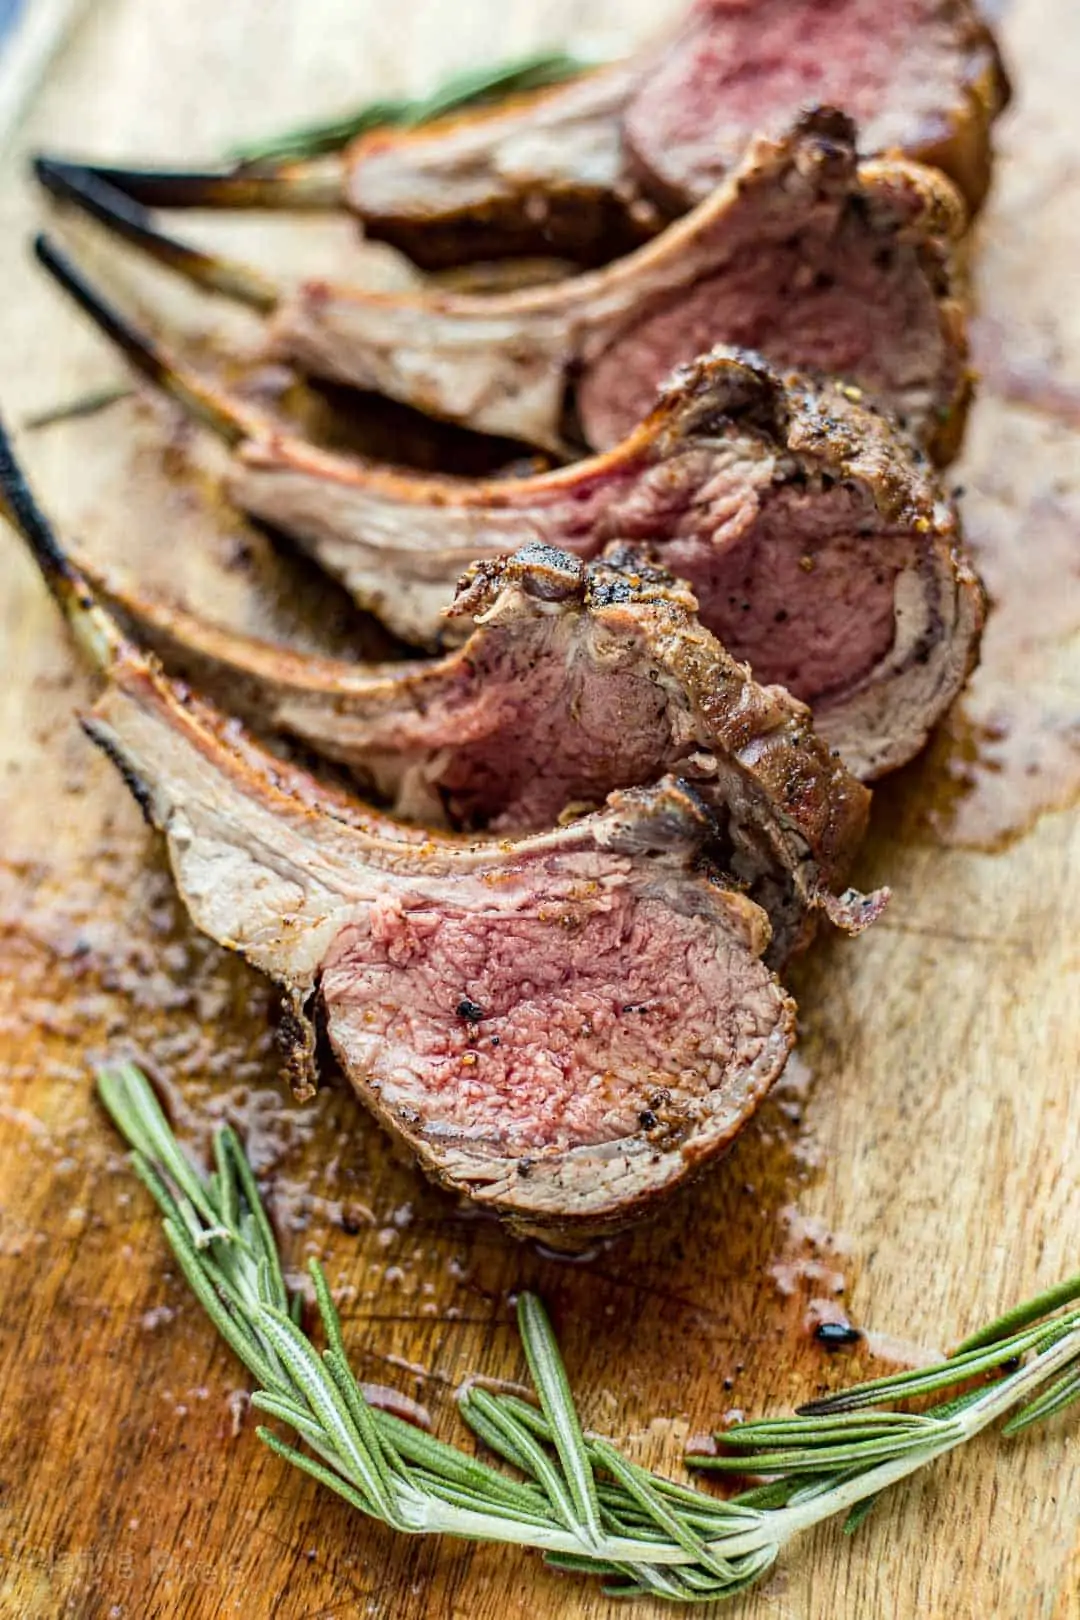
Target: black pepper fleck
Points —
{"points": [[836, 1335], [469, 1010]]}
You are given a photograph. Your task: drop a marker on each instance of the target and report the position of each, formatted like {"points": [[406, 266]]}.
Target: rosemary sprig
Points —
{"points": [[585, 1506], [86, 404], [466, 89]]}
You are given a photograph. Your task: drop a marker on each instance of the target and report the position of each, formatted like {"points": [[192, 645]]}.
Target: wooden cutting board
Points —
{"points": [[915, 1172]]}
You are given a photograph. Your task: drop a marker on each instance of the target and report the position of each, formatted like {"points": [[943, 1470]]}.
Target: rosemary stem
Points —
{"points": [[1001, 1398]]}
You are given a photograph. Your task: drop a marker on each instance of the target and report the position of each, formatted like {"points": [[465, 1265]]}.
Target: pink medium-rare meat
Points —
{"points": [[576, 681], [812, 258], [820, 548], [845, 301], [562, 1027], [492, 1003]]}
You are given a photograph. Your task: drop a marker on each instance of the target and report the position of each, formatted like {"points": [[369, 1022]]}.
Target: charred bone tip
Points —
{"points": [[264, 185], [74, 184], [226, 417], [95, 630]]}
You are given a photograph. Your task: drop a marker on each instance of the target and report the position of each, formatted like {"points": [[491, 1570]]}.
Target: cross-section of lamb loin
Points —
{"points": [[579, 171], [821, 550], [801, 253], [577, 680], [562, 1027]]}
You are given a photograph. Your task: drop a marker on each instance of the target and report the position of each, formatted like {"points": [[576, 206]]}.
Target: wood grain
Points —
{"points": [[916, 1171], [29, 36]]}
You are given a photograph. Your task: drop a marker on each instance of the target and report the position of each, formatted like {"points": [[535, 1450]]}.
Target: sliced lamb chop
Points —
{"points": [[576, 681], [575, 170], [562, 1028], [801, 253], [820, 550]]}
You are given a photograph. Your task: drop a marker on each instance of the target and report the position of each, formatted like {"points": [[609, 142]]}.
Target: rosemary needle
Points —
{"points": [[585, 1506], [468, 89], [88, 404]]}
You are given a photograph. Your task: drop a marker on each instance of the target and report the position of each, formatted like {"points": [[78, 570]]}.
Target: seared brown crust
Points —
{"points": [[460, 739], [580, 225], [827, 427], [818, 416]]}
